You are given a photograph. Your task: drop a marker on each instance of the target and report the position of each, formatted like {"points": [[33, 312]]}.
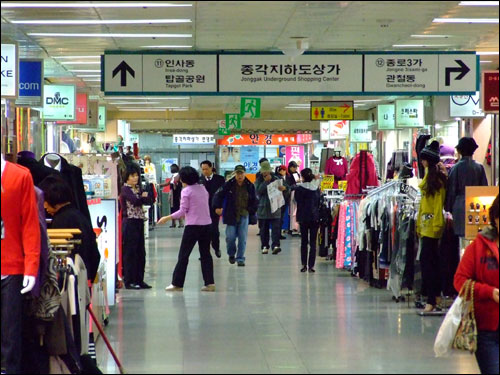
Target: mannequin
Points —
{"points": [[337, 166], [20, 256]]}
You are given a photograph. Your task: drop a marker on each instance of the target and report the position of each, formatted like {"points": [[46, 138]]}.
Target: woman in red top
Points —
{"points": [[480, 263]]}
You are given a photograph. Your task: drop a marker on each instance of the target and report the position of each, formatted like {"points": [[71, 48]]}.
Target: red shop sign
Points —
{"points": [[489, 92], [81, 111], [259, 140]]}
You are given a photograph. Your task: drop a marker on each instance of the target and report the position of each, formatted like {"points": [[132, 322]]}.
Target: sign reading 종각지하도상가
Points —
{"points": [[193, 139], [332, 110]]}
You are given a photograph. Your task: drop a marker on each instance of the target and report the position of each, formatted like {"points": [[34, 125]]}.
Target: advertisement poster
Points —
{"points": [[81, 111], [104, 215], [296, 153], [248, 156], [259, 140], [165, 167], [59, 102]]}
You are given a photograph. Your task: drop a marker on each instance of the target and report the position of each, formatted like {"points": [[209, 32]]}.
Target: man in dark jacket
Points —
{"points": [[236, 202], [466, 172], [212, 183], [268, 218]]}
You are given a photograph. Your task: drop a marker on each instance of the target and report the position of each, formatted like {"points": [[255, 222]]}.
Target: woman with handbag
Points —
{"points": [[480, 264]]}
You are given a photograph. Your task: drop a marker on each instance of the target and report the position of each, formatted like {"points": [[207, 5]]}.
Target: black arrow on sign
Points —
{"points": [[464, 69], [123, 68]]}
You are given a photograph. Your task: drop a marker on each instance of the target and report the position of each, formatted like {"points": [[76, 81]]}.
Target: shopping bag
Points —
{"points": [[466, 336], [448, 329]]}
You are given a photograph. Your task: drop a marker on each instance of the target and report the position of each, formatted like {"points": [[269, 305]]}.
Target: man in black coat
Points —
{"points": [[212, 183]]}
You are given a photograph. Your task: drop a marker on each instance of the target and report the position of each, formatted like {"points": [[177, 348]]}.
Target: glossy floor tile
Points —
{"points": [[267, 318]]}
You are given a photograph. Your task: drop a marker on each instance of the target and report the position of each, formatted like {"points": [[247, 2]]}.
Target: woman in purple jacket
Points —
{"points": [[194, 207]]}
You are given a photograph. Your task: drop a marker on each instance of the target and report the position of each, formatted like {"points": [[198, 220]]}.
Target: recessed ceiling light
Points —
{"points": [[109, 4], [465, 20], [91, 35], [167, 46], [99, 22], [479, 3]]}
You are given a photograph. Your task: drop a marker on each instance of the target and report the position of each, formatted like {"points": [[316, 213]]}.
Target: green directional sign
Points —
{"points": [[233, 121], [250, 107]]}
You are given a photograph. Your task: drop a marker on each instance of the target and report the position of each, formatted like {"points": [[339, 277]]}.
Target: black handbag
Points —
{"points": [[252, 219]]}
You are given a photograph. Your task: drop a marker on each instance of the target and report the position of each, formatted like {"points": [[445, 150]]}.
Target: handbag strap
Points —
{"points": [[472, 284]]}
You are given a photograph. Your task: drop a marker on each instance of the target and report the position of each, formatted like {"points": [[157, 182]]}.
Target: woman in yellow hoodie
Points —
{"points": [[431, 222]]}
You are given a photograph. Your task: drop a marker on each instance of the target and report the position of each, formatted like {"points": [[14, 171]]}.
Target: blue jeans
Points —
{"points": [[487, 352], [240, 231]]}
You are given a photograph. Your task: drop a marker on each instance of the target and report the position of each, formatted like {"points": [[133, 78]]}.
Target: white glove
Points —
{"points": [[28, 284]]}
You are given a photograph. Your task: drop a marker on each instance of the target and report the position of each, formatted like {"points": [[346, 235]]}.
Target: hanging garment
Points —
{"points": [[362, 173], [337, 167]]}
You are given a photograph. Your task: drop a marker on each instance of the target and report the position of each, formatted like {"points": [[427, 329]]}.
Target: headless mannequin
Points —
{"points": [[53, 161], [28, 281]]}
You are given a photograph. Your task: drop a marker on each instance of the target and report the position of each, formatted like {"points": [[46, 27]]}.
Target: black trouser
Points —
{"points": [[309, 232], [12, 308], [214, 233], [275, 232], [134, 251], [283, 211], [429, 262], [192, 235]]}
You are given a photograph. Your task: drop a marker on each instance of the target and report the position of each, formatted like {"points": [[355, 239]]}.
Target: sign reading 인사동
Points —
{"points": [[409, 113], [10, 71], [330, 110], [465, 106], [489, 92], [250, 107], [193, 139], [360, 132], [386, 117], [59, 102], [276, 73]]}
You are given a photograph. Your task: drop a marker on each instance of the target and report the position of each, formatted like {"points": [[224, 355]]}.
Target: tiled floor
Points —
{"points": [[267, 318]]}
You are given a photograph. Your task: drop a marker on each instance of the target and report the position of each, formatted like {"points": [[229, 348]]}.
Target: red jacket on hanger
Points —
{"points": [[363, 173], [21, 246], [337, 167]]}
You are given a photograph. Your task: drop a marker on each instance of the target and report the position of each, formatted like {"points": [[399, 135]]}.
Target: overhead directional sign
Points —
{"points": [[250, 107], [270, 73], [10, 70], [326, 111]]}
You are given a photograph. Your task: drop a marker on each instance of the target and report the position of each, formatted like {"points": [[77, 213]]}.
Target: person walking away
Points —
{"points": [[262, 160], [431, 223], [132, 198], [480, 264], [175, 193], [281, 174], [466, 172], [236, 202], [194, 207], [292, 178], [264, 212], [212, 183], [307, 196]]}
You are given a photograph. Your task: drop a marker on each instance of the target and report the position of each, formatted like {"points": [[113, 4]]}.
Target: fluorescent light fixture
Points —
{"points": [[87, 75], [465, 20], [485, 61], [368, 100], [84, 70], [166, 46], [487, 53], [132, 103], [430, 36], [146, 98], [479, 3], [91, 79], [109, 4], [93, 35], [156, 109], [77, 57], [80, 62], [420, 45], [100, 22]]}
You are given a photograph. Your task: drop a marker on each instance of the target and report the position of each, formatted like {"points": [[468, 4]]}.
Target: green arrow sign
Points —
{"points": [[250, 107]]}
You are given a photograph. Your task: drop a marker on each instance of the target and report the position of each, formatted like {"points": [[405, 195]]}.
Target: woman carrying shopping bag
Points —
{"points": [[480, 264]]}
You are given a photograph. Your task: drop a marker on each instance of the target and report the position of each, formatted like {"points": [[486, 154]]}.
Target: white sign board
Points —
{"points": [[276, 73], [324, 131], [360, 132], [420, 73], [194, 139], [466, 106], [386, 117], [409, 113], [160, 73], [59, 102], [10, 71], [331, 130]]}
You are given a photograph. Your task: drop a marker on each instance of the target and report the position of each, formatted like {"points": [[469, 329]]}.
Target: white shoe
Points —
{"points": [[208, 288], [265, 250], [173, 288]]}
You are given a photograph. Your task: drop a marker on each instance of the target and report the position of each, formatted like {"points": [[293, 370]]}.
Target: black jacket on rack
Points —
{"points": [[73, 176], [38, 170], [69, 218]]}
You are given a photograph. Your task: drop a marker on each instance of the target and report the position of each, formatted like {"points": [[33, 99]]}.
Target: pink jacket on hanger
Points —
{"points": [[363, 173], [337, 167]]}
